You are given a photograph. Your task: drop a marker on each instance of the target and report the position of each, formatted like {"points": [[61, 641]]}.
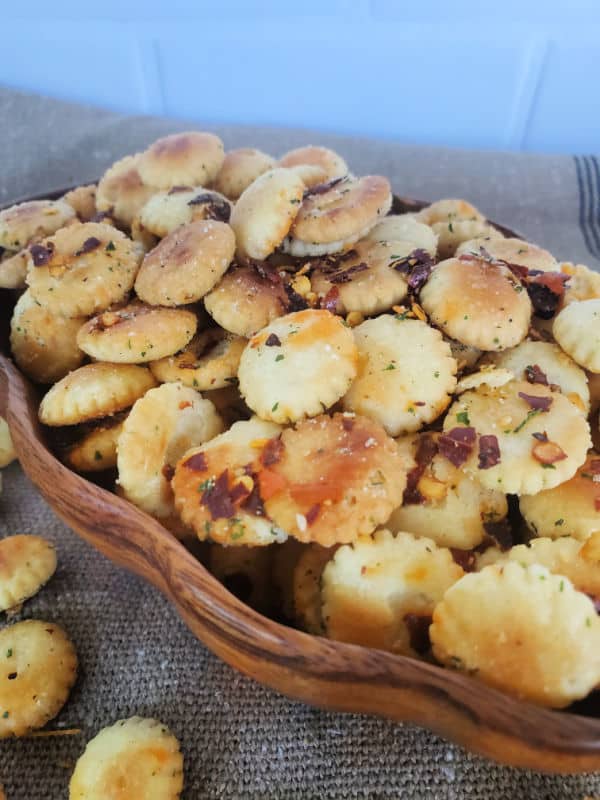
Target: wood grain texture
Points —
{"points": [[324, 673]]}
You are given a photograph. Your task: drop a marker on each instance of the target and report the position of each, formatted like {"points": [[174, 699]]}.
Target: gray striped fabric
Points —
{"points": [[239, 739]]}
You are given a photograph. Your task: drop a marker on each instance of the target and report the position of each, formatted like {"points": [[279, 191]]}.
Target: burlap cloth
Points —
{"points": [[239, 739]]}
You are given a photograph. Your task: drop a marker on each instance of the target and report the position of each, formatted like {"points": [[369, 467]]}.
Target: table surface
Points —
{"points": [[136, 657]]}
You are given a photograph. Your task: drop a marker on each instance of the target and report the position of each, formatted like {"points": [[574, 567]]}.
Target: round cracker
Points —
{"points": [[97, 450], [240, 168], [479, 303], [583, 283], [332, 479], [35, 219], [13, 269], [44, 344], [455, 221], [375, 588], [186, 264], [244, 301], [136, 333], [191, 158], [166, 211], [443, 502], [133, 758], [577, 330], [216, 488], [93, 391], [328, 160], [82, 200], [546, 362], [363, 279], [82, 269], [489, 375], [210, 361], [330, 220], [245, 572], [548, 652], [508, 418], [512, 251], [405, 228], [406, 373], [26, 564], [160, 428], [265, 211], [121, 191], [38, 667], [298, 366], [569, 509]]}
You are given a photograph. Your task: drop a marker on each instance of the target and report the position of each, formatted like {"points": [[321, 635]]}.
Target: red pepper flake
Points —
{"points": [[594, 466], [535, 402], [322, 188], [457, 445], [239, 493], [90, 244], [253, 504], [541, 437], [345, 275], [426, 451], [217, 498], [273, 340], [419, 403], [312, 514], [548, 453], [330, 301], [417, 266], [41, 254], [197, 462], [534, 374], [464, 558], [546, 291], [272, 452], [168, 472], [295, 301], [418, 632], [347, 424], [184, 404], [489, 451], [178, 189]]}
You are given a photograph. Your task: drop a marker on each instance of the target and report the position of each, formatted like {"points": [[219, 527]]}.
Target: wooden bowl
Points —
{"points": [[324, 673]]}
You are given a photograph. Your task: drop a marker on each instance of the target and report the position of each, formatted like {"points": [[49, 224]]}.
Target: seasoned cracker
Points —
{"points": [[217, 491], [186, 264], [332, 479], [265, 211], [44, 344], [328, 160], [364, 280], [134, 758], [547, 653], [13, 269], [569, 509], [160, 428], [455, 221], [26, 564], [137, 333], [38, 667], [244, 301], [121, 192], [577, 330], [82, 200], [97, 450], [35, 219], [405, 228], [82, 269], [478, 303], [512, 251], [331, 220], [93, 391], [298, 366], [240, 168], [165, 211], [406, 373], [443, 502], [308, 573], [285, 558], [191, 158], [381, 591], [209, 361], [518, 438]]}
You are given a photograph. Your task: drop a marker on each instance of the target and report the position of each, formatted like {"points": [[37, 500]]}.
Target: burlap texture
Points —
{"points": [[137, 657]]}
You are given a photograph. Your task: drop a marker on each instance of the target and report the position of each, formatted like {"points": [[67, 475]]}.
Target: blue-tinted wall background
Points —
{"points": [[513, 75]]}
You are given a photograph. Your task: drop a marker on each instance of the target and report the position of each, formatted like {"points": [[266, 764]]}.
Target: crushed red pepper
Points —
{"points": [[535, 402], [197, 462], [457, 445], [489, 451]]}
